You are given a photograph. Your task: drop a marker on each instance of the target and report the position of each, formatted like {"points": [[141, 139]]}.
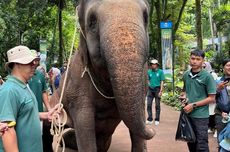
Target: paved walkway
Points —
{"points": [[164, 139]]}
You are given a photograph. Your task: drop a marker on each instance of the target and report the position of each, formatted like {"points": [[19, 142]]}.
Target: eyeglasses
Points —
{"points": [[34, 62]]}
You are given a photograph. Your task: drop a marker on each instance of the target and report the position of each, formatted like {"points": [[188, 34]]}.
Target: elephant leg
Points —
{"points": [[138, 144], [103, 143], [105, 129], [84, 124]]}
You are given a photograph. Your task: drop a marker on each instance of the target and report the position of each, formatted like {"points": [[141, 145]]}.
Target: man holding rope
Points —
{"points": [[18, 106]]}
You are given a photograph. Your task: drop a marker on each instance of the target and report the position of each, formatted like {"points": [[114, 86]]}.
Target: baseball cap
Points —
{"points": [[154, 61], [21, 54]]}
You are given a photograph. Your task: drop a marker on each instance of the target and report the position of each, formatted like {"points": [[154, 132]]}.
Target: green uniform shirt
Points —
{"points": [[197, 88], [155, 78], [38, 85], [19, 104]]}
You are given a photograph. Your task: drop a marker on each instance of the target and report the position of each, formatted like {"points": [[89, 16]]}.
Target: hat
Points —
{"points": [[154, 61], [21, 54]]}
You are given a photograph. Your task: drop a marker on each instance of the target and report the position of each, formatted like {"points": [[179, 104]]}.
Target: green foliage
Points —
{"points": [[221, 17], [27, 21], [172, 100]]}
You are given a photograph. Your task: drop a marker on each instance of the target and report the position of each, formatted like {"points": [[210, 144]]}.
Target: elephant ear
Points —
{"points": [[80, 10]]}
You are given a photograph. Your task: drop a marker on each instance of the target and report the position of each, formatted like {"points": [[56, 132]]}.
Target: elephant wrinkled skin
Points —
{"points": [[114, 47]]}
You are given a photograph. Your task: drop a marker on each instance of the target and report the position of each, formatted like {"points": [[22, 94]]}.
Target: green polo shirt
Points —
{"points": [[197, 88], [19, 104], [155, 77], [38, 85]]}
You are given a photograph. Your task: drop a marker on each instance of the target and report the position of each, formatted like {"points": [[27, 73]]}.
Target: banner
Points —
{"points": [[166, 45], [43, 53]]}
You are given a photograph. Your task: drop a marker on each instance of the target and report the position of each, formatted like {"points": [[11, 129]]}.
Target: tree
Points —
{"points": [[164, 11], [27, 21], [199, 25]]}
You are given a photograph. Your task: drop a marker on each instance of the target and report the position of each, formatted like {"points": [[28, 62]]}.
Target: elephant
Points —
{"points": [[106, 83]]}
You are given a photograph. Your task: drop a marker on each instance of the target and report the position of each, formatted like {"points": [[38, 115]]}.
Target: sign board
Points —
{"points": [[43, 53], [166, 45], [166, 25]]}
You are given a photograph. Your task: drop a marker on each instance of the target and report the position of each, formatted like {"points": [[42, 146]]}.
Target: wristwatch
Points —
{"points": [[194, 105]]}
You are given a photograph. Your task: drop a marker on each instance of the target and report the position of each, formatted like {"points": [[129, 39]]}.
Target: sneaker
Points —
{"points": [[215, 134], [210, 131], [149, 122], [157, 123]]}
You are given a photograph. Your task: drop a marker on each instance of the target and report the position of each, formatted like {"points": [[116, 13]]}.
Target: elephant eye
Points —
{"points": [[145, 17], [92, 22]]}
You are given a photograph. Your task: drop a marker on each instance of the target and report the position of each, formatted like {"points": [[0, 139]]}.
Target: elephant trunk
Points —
{"points": [[129, 94], [125, 50]]}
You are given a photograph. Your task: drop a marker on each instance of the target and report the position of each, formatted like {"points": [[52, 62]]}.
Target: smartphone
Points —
{"points": [[11, 124], [226, 79]]}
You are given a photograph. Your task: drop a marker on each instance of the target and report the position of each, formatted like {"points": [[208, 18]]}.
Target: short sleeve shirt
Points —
{"points": [[19, 104], [155, 77], [197, 88], [38, 85]]}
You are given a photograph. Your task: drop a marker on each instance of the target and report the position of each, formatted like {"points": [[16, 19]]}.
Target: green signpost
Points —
{"points": [[167, 53]]}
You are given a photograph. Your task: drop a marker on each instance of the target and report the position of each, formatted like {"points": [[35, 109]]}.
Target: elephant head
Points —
{"points": [[115, 35]]}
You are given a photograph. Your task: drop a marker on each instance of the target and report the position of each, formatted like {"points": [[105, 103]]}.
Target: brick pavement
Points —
{"points": [[164, 139]]}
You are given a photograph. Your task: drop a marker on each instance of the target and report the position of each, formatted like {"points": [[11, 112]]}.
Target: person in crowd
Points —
{"points": [[1, 81], [38, 85], [18, 104], [64, 67], [224, 136], [207, 66], [55, 76], [41, 69], [199, 91], [222, 97], [40, 89], [155, 81]]}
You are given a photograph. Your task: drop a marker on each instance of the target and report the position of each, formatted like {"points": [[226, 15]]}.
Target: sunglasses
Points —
{"points": [[34, 62]]}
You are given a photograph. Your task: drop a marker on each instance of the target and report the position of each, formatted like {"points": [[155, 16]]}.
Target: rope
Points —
{"points": [[57, 130], [58, 123], [87, 70]]}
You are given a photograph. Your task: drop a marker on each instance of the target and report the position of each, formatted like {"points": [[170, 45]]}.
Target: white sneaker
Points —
{"points": [[157, 123], [149, 122], [210, 131], [215, 134]]}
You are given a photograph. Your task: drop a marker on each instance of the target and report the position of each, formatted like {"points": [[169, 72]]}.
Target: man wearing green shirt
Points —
{"points": [[39, 87], [155, 82], [18, 104], [199, 90]]}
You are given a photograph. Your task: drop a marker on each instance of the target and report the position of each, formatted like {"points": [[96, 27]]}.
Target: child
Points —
{"points": [[224, 137]]}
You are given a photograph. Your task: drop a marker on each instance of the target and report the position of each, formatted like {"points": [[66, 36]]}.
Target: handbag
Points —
{"points": [[184, 129]]}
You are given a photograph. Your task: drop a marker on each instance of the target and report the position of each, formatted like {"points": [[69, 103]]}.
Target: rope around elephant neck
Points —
{"points": [[82, 75]]}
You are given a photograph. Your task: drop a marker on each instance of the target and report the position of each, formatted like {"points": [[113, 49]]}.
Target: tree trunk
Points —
{"points": [[151, 28], [158, 54], [199, 25], [60, 57], [175, 28]]}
